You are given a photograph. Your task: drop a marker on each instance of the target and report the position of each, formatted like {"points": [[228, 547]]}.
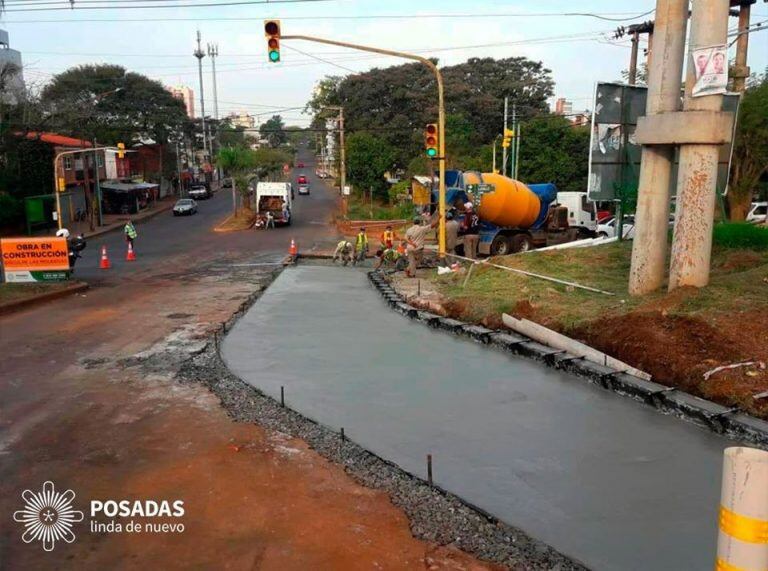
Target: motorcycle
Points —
{"points": [[75, 246]]}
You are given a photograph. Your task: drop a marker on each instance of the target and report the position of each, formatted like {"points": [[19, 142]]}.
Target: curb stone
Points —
{"points": [[18, 305], [731, 423]]}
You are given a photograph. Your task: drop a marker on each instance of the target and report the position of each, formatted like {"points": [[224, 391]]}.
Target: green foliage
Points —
{"points": [[553, 150], [368, 158], [398, 190], [750, 151], [741, 235], [269, 162], [231, 136], [273, 130], [11, 210], [112, 105], [419, 165], [360, 208], [398, 101]]}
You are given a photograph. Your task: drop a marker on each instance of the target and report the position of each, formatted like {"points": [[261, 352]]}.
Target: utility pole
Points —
{"points": [[697, 178], [200, 54], [213, 53], [664, 82], [513, 166], [633, 59], [634, 32], [504, 149], [740, 71], [517, 149]]}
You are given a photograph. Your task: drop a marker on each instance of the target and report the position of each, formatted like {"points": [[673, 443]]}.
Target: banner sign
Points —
{"points": [[34, 259], [711, 69]]}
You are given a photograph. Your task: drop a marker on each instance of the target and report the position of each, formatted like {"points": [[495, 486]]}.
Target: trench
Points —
{"points": [[597, 476]]}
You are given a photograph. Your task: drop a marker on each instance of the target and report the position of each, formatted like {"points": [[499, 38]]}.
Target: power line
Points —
{"points": [[70, 7], [626, 16]]}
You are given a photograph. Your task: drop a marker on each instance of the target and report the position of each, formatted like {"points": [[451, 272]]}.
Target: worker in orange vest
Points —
{"points": [[388, 238]]}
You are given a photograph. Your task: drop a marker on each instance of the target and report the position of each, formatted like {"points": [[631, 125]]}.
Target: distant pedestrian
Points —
{"points": [[130, 233], [470, 229], [270, 221], [361, 245]]}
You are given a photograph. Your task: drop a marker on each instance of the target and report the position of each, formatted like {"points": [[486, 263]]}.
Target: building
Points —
{"points": [[242, 119], [563, 106], [12, 87], [187, 95]]}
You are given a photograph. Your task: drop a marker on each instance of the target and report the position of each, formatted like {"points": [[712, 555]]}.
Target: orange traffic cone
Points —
{"points": [[130, 256], [293, 250], [104, 264]]}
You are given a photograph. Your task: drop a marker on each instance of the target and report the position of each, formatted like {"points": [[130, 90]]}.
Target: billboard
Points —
{"points": [[34, 259], [614, 154]]}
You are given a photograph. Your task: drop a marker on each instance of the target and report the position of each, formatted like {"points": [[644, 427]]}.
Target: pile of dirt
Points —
{"points": [[666, 346]]}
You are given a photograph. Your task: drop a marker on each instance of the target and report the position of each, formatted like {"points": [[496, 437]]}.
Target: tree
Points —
{"points": [[237, 162], [368, 158], [396, 102], [274, 131], [554, 150], [750, 151], [110, 104], [641, 76], [268, 163]]}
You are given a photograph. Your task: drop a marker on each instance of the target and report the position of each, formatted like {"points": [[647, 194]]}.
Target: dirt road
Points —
{"points": [[77, 409]]}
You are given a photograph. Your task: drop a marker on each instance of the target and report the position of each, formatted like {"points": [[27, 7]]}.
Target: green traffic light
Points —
{"points": [[431, 152], [274, 55]]}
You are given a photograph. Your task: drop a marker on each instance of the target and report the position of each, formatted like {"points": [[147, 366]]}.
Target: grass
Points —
{"points": [[243, 221], [741, 235], [737, 278], [17, 292], [361, 209]]}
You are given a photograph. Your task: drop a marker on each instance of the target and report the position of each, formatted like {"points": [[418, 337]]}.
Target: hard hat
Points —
{"points": [[468, 205], [63, 233]]}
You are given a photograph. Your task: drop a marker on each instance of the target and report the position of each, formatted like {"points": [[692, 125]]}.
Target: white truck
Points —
{"points": [[275, 198]]}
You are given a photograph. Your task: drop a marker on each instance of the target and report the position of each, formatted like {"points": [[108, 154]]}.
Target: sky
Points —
{"points": [[158, 42]]}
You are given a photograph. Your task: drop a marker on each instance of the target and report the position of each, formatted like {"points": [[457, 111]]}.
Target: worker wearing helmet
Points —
{"points": [[361, 245]]}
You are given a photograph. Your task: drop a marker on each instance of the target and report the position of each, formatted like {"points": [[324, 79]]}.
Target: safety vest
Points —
{"points": [[130, 231], [361, 242], [388, 237]]}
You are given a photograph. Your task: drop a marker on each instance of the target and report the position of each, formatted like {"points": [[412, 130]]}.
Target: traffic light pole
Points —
{"points": [[440, 114]]}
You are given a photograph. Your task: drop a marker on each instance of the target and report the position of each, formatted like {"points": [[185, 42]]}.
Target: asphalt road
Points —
{"points": [[166, 236], [596, 475]]}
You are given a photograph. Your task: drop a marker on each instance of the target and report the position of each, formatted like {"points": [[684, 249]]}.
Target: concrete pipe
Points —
{"points": [[742, 542]]}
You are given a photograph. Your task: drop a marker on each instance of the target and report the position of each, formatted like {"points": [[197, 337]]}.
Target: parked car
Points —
{"points": [[758, 212], [302, 180], [185, 206], [300, 165], [607, 228], [199, 191], [226, 183], [303, 189]]}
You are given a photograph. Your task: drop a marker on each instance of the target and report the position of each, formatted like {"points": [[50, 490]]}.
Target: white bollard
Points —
{"points": [[742, 541]]}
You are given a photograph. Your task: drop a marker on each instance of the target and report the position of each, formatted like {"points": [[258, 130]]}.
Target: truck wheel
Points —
{"points": [[500, 246], [521, 243]]}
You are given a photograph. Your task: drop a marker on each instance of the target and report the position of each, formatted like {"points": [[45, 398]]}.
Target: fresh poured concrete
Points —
{"points": [[598, 476]]}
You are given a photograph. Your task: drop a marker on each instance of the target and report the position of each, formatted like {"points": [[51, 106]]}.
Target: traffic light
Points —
{"points": [[121, 150], [272, 32], [430, 140], [506, 142]]}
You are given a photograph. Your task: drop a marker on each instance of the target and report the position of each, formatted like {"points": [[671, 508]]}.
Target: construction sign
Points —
{"points": [[34, 259]]}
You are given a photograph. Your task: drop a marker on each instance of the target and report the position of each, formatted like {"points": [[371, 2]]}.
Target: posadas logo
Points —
{"points": [[48, 516]]}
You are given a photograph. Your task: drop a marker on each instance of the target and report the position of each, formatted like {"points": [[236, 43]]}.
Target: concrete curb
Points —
{"points": [[18, 305], [668, 400]]}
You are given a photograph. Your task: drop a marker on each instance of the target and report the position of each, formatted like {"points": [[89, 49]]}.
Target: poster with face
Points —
{"points": [[711, 70]]}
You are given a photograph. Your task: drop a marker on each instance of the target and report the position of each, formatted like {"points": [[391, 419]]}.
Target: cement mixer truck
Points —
{"points": [[516, 217]]}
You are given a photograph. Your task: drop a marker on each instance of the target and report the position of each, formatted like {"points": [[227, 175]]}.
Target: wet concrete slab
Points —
{"points": [[598, 476]]}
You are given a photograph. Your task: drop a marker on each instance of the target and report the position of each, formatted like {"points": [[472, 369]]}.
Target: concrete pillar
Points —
{"points": [[697, 176], [742, 539], [664, 82]]}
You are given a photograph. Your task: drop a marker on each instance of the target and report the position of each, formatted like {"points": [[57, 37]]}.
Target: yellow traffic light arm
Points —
{"points": [[440, 113]]}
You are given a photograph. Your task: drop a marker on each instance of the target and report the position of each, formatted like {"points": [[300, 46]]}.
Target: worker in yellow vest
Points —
{"points": [[361, 246]]}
